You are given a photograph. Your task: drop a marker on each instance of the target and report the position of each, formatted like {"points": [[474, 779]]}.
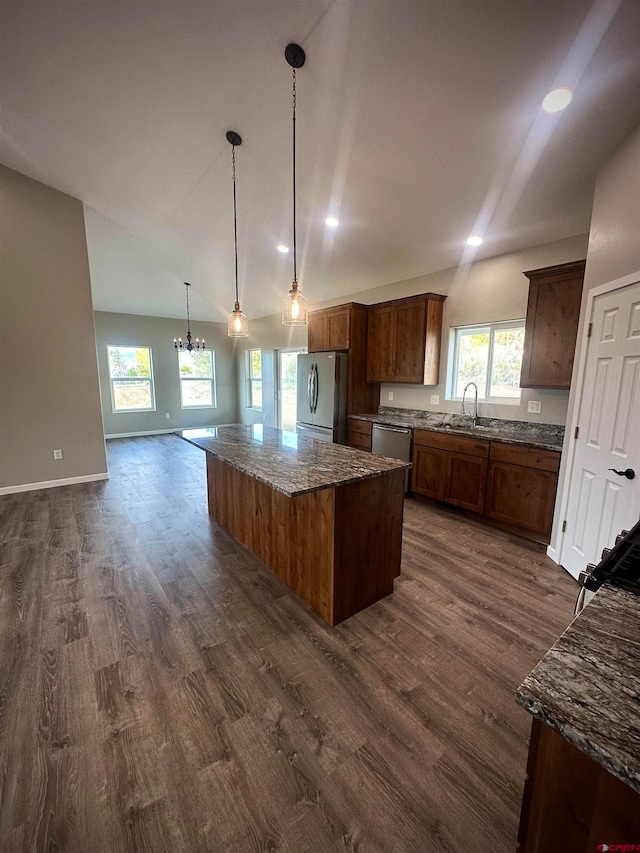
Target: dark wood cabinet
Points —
{"points": [[329, 329], [403, 342], [511, 486], [448, 468], [429, 472], [521, 487], [344, 327], [466, 481], [570, 802], [551, 329], [359, 434]]}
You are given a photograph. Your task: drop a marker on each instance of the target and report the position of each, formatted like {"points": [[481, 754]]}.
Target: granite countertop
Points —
{"points": [[286, 461], [543, 436], [587, 687]]}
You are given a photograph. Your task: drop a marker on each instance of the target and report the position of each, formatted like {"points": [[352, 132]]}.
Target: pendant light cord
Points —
{"points": [[295, 267], [235, 218], [188, 318]]}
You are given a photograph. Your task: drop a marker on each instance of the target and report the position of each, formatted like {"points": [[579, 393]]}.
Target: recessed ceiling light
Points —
{"points": [[332, 222], [557, 99], [282, 248], [475, 240]]}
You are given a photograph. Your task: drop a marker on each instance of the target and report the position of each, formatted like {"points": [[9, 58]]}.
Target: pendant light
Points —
{"points": [[294, 304], [237, 324], [189, 346]]}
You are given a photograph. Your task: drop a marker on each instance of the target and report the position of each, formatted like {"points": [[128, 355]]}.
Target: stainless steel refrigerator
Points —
{"points": [[322, 396]]}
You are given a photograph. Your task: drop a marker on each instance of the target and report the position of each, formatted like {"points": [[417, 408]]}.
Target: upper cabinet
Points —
{"points": [[345, 328], [404, 340], [551, 328], [329, 329]]}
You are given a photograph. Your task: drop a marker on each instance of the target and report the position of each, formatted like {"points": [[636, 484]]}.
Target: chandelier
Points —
{"points": [[189, 346]]}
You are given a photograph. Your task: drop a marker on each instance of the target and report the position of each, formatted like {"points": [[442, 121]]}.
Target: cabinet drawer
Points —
{"points": [[454, 443], [529, 457], [358, 440], [363, 427]]}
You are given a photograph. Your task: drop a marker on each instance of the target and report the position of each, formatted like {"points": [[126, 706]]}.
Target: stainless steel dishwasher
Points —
{"points": [[394, 442]]}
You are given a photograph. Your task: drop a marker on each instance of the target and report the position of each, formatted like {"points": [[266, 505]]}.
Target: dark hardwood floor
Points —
{"points": [[161, 690]]}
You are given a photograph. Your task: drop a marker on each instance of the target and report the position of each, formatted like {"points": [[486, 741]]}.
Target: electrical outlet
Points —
{"points": [[167, 415], [435, 399], [534, 407], [57, 454], [391, 395]]}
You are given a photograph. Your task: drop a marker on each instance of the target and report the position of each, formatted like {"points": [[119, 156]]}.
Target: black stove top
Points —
{"points": [[621, 565]]}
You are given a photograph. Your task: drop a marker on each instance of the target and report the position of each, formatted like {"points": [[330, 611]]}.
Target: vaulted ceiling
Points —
{"points": [[418, 124]]}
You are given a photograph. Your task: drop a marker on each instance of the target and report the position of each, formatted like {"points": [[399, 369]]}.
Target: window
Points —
{"points": [[131, 378], [197, 388], [254, 372], [489, 355]]}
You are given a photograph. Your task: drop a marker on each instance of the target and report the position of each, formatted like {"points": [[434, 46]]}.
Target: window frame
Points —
{"points": [[211, 379], [251, 379], [131, 379], [454, 352]]}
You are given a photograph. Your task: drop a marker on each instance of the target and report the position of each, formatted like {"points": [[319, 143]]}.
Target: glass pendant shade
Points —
{"points": [[294, 307], [237, 324]]}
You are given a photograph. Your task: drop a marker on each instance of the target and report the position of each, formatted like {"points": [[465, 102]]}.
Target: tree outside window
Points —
{"points": [[197, 386], [490, 356], [255, 378], [131, 379]]}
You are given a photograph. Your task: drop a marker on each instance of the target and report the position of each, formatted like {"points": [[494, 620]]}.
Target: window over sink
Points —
{"points": [[489, 355]]}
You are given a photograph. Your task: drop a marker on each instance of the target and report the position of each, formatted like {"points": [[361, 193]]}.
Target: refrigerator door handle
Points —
{"points": [[309, 385], [315, 388]]}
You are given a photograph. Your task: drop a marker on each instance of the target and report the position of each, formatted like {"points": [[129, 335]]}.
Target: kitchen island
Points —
{"points": [[582, 786], [325, 518]]}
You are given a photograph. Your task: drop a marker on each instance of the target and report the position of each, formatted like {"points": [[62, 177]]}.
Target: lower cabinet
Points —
{"points": [[452, 469], [570, 802], [359, 434], [521, 488], [512, 485]]}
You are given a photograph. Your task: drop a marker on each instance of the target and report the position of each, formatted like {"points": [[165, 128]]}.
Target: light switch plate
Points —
{"points": [[391, 395], [57, 454], [435, 399], [167, 415], [534, 407]]}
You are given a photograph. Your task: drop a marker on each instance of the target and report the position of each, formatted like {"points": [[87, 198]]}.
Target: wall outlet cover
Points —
{"points": [[167, 415], [391, 395], [435, 399], [534, 407], [57, 454]]}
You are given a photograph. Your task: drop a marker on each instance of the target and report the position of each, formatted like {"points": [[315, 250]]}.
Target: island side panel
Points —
{"points": [[368, 541], [292, 536]]}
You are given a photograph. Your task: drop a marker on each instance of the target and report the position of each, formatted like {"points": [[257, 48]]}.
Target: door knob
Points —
{"points": [[629, 473]]}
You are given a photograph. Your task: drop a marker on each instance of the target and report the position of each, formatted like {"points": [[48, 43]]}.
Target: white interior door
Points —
{"points": [[602, 502]]}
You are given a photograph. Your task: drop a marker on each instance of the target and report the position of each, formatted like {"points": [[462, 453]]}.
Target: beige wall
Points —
{"points": [[158, 333], [482, 292], [49, 394], [269, 335]]}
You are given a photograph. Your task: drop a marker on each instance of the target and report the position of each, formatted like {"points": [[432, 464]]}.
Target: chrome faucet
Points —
{"points": [[475, 409]]}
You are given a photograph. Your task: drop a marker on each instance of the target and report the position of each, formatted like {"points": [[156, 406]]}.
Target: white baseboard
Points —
{"points": [[52, 484], [144, 432], [161, 431], [553, 554]]}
